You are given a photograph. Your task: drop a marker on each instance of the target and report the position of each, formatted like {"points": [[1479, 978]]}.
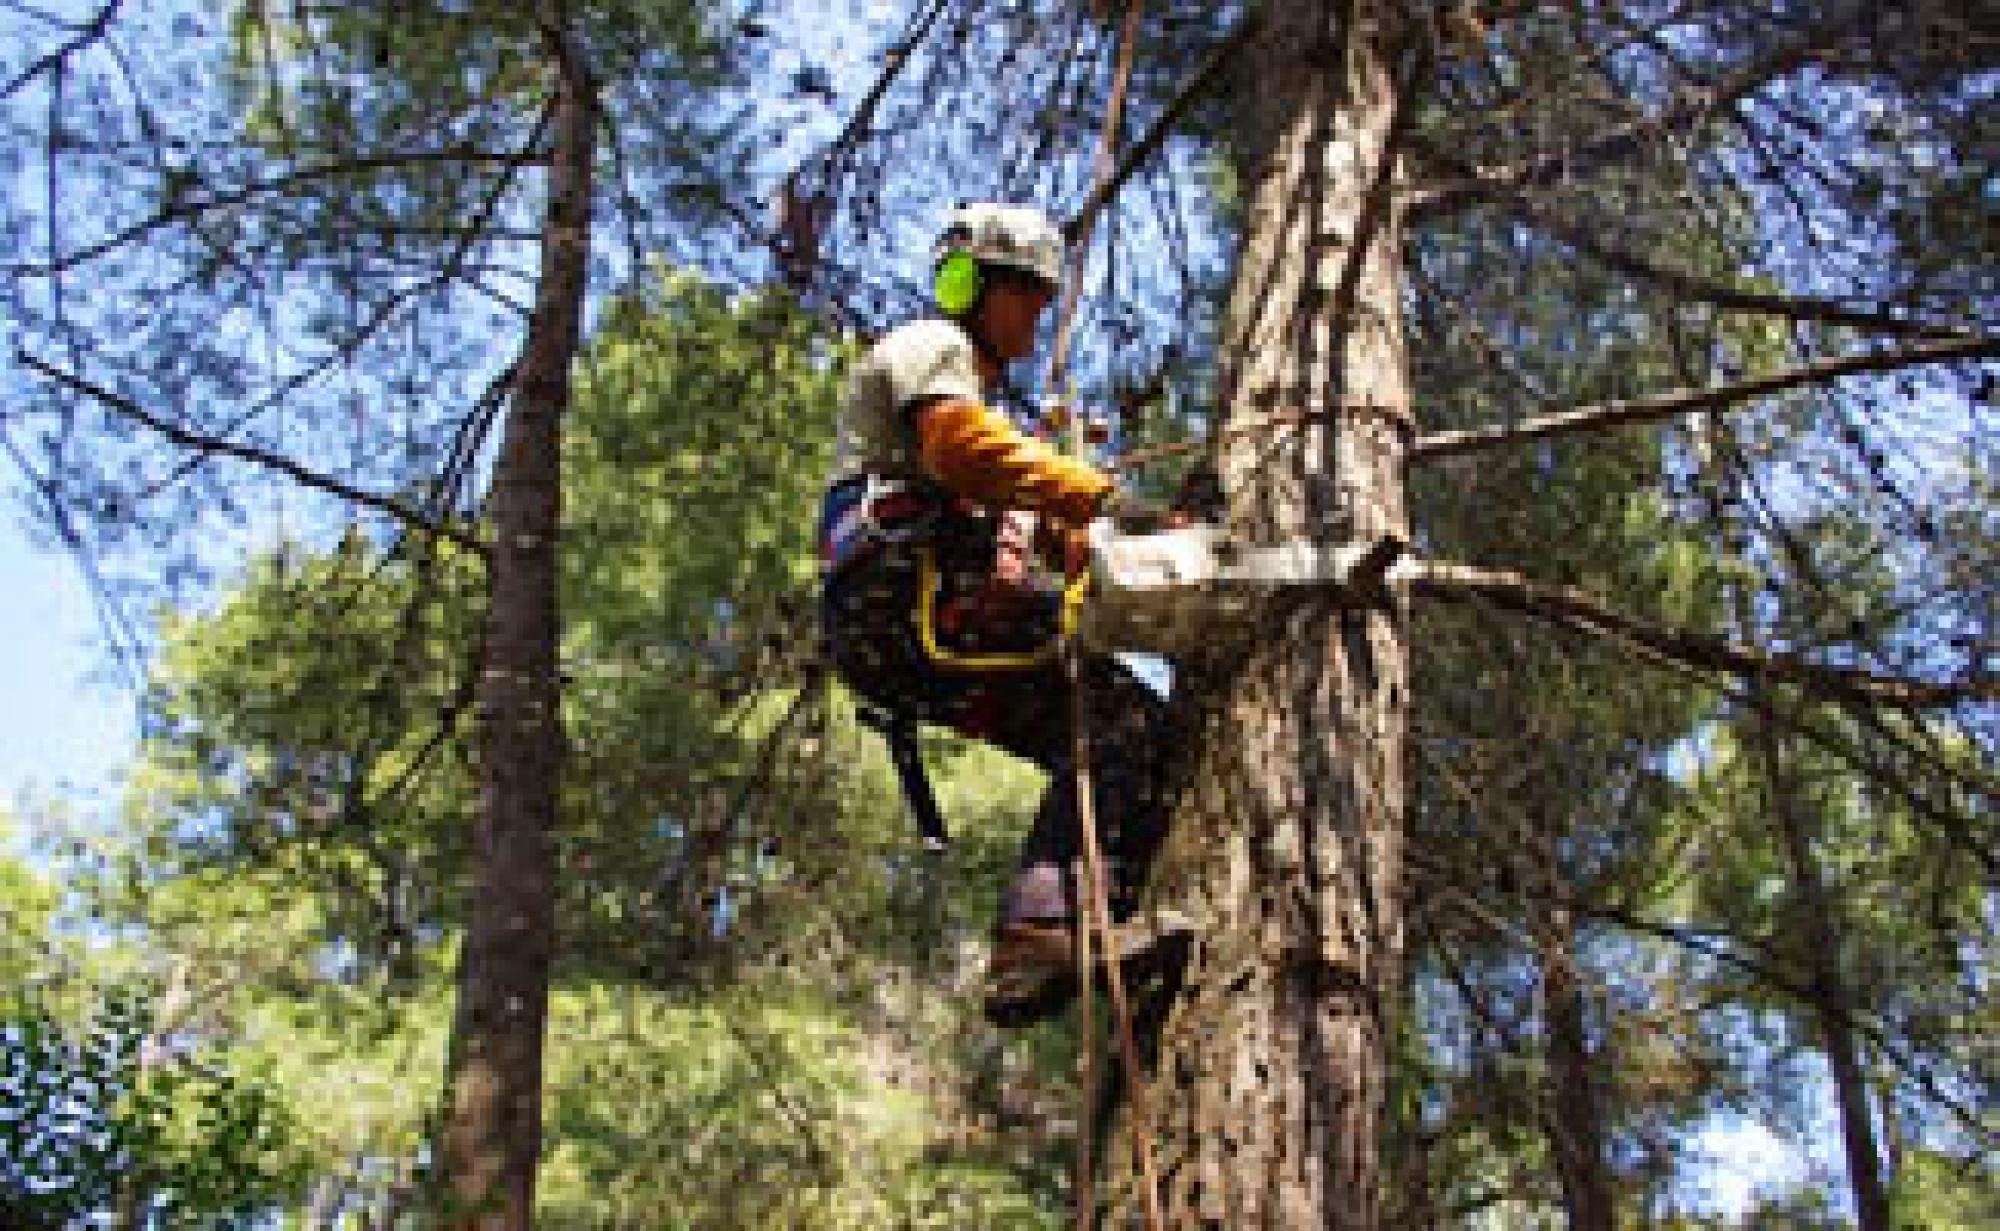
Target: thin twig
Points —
{"points": [[1709, 291], [1427, 203], [86, 34], [1156, 135], [255, 456], [176, 211]]}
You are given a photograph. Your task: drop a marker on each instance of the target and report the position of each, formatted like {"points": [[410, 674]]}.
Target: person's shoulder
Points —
{"points": [[928, 358], [930, 335]]}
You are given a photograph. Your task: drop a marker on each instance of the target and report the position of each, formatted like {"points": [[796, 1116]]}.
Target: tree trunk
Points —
{"points": [[490, 1141], [1286, 847], [1817, 928], [1820, 936], [1575, 1115]]}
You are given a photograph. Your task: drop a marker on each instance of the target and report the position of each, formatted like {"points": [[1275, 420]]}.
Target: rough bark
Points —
{"points": [[1286, 849], [490, 1141], [1575, 1117]]}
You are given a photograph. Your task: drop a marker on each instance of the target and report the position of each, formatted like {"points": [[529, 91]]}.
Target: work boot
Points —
{"points": [[1032, 973]]}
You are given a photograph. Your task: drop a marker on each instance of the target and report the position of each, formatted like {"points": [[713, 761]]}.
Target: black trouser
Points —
{"points": [[869, 616]]}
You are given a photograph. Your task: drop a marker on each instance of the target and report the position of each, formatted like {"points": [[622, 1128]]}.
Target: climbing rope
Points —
{"points": [[1092, 882]]}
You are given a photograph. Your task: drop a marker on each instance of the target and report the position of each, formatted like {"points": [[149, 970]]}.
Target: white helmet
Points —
{"points": [[1013, 236]]}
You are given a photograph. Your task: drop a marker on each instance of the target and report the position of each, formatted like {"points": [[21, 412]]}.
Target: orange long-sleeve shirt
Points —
{"points": [[977, 453]]}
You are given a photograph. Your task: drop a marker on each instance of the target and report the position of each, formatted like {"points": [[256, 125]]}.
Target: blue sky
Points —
{"points": [[66, 727]]}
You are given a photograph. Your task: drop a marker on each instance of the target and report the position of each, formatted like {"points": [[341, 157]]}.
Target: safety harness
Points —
{"points": [[860, 517]]}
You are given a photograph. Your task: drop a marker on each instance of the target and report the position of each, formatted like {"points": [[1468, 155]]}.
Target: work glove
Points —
{"points": [[1200, 494]]}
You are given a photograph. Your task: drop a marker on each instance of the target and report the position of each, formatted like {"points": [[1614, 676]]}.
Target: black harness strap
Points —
{"points": [[899, 730]]}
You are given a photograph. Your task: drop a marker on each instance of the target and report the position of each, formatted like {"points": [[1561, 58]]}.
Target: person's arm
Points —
{"points": [[977, 453]]}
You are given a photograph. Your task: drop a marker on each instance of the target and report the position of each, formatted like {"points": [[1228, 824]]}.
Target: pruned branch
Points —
{"points": [[1683, 401], [1573, 609], [262, 458]]}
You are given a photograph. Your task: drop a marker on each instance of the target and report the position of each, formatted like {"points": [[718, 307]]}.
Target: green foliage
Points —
{"points": [[30, 902], [305, 730], [106, 1114], [1935, 1191], [717, 1097], [753, 949]]}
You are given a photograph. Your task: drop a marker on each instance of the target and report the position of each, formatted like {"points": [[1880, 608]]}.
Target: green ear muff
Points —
{"points": [[957, 285]]}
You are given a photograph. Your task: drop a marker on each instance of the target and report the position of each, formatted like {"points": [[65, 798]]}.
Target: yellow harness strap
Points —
{"points": [[1019, 660]]}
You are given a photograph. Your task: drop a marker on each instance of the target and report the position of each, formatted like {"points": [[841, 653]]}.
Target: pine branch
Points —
{"points": [[1725, 948], [250, 453], [1692, 286], [802, 1118], [898, 58], [191, 208], [382, 315], [1683, 401], [1162, 126], [1566, 607], [1873, 1026], [1909, 794], [1475, 186], [123, 640]]}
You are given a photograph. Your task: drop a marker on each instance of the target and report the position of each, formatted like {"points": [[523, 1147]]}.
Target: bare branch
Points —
{"points": [[1427, 203], [250, 453], [177, 211], [897, 58], [1683, 401], [454, 268], [1566, 607], [1722, 295], [85, 35], [1156, 134]]}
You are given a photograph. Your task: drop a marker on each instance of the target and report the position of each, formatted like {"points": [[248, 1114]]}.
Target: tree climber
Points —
{"points": [[934, 606]]}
